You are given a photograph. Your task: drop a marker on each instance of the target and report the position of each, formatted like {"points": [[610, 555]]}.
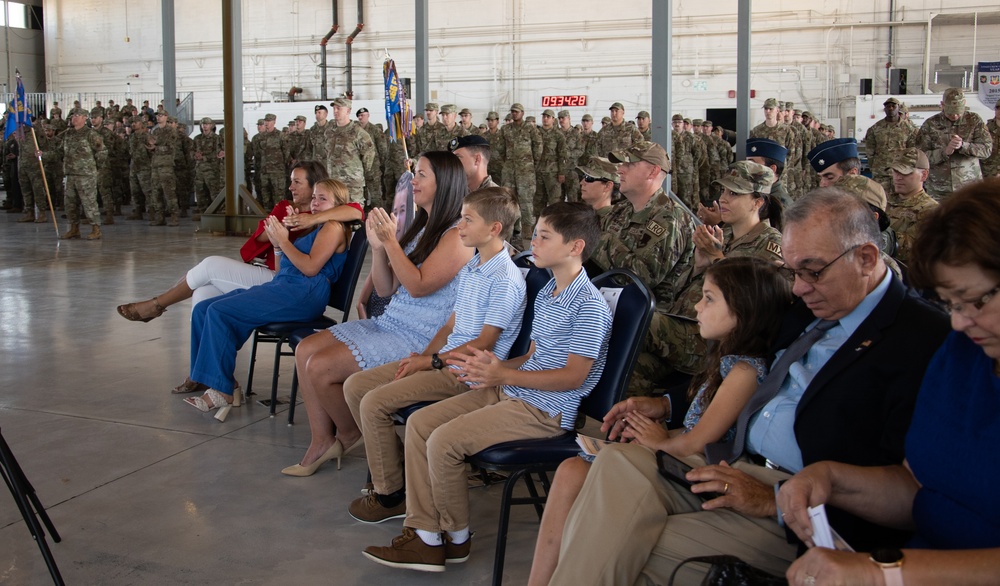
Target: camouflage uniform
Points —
{"points": [[162, 161], [29, 174], [793, 161], [140, 173], [52, 157], [272, 155], [708, 168], [395, 165], [882, 141], [647, 134], [373, 182], [905, 214], [991, 165], [118, 157], [616, 138], [350, 155], [550, 165], [83, 154], [316, 140], [184, 164], [950, 173], [297, 145], [520, 147], [574, 150], [684, 177], [208, 169], [495, 168], [589, 140], [433, 137], [105, 193]]}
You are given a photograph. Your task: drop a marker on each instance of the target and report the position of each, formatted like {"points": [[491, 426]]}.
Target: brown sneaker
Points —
{"points": [[367, 509], [457, 554], [410, 552]]}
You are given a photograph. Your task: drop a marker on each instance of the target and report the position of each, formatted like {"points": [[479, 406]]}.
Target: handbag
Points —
{"points": [[728, 570]]}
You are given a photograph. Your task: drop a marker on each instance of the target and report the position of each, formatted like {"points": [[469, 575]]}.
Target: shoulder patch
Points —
{"points": [[655, 229], [774, 248]]}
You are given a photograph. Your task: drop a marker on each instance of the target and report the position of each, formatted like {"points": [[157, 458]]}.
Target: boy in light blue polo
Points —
{"points": [[532, 396], [487, 316]]}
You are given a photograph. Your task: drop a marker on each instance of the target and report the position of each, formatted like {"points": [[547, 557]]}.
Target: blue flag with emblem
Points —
{"points": [[397, 109], [18, 113]]}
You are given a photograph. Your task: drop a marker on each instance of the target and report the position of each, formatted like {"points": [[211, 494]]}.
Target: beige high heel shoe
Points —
{"points": [[213, 399], [335, 451]]}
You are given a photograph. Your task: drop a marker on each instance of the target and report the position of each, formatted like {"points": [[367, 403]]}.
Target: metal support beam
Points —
{"points": [[169, 57], [742, 78], [421, 93], [662, 75]]}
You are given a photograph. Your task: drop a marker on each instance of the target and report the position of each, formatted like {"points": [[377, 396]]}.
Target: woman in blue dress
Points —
{"points": [[299, 291], [420, 272]]}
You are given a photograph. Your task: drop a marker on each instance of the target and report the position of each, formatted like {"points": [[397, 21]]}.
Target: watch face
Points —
{"points": [[887, 556]]}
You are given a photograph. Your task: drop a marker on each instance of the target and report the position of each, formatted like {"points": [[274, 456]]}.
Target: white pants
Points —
{"points": [[217, 275]]}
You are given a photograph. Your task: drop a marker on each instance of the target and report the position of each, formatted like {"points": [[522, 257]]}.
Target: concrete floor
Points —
{"points": [[143, 488]]}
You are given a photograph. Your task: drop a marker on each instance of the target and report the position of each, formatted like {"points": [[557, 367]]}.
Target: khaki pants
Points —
{"points": [[373, 396], [439, 437], [631, 526]]}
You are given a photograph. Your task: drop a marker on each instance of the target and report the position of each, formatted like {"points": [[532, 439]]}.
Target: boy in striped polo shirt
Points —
{"points": [[488, 312], [532, 396]]}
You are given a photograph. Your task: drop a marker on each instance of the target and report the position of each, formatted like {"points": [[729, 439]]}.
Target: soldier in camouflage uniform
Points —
{"points": [[162, 161], [209, 150], [53, 160], [642, 124], [316, 135], [520, 147], [129, 110], [492, 134], [255, 151], [473, 151], [184, 165], [395, 164], [432, 136], [954, 140], [551, 166], [908, 202], [871, 193], [775, 130], [105, 195], [118, 157], [574, 150], [648, 234], [272, 157], [296, 142], [373, 183], [465, 121], [589, 138], [83, 153], [598, 186], [726, 153], [55, 111], [884, 139], [616, 136], [709, 169], [991, 165], [684, 178], [350, 152], [140, 171], [449, 114], [700, 154], [793, 163], [29, 175]]}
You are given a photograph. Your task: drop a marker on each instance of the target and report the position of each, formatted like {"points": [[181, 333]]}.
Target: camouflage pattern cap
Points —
{"points": [[78, 112], [892, 100], [431, 106], [747, 177], [642, 114], [781, 106], [449, 109], [770, 103], [342, 102], [831, 152], [677, 117], [789, 105], [587, 117], [530, 119], [172, 119], [707, 123], [868, 191], [697, 122], [806, 114], [600, 168], [465, 111], [260, 122], [549, 113], [617, 105], [300, 117], [606, 120], [907, 161], [97, 113], [516, 107], [207, 120], [649, 152], [492, 116], [564, 113], [953, 102], [267, 117], [687, 121]]}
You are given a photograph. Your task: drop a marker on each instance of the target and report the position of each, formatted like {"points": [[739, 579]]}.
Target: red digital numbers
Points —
{"points": [[564, 101]]}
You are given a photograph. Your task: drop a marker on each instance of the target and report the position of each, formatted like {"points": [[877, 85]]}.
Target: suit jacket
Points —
{"points": [[857, 408]]}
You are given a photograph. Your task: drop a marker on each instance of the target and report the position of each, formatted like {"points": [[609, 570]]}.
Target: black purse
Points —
{"points": [[727, 570]]}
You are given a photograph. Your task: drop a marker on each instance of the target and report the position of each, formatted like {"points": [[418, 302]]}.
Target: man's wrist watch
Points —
{"points": [[436, 362], [890, 561]]}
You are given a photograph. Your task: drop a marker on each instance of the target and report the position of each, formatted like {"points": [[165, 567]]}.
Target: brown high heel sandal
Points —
{"points": [[129, 311], [189, 386]]}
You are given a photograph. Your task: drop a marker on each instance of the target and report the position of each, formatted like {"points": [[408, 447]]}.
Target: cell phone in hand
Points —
{"points": [[675, 470]]}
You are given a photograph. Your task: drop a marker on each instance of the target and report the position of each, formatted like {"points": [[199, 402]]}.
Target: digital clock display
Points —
{"points": [[563, 101]]}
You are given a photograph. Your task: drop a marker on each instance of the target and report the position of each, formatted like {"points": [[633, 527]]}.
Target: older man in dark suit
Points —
{"points": [[842, 388]]}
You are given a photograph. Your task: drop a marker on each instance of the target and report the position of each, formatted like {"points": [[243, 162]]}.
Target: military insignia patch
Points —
{"points": [[774, 248], [655, 228]]}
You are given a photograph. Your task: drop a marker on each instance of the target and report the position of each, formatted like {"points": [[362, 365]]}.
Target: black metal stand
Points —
{"points": [[31, 508]]}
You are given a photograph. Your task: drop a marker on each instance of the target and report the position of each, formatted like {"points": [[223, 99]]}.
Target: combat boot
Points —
{"points": [[29, 216], [40, 218], [174, 219], [157, 219], [109, 218], [95, 233], [73, 232], [136, 214]]}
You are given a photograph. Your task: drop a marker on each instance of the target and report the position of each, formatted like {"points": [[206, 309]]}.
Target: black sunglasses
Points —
{"points": [[590, 179]]}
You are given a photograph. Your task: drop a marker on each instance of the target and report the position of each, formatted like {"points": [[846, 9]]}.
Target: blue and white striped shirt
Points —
{"points": [[576, 321], [490, 294]]}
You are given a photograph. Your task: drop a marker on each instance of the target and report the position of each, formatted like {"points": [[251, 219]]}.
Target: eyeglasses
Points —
{"points": [[810, 276], [970, 309], [590, 179]]}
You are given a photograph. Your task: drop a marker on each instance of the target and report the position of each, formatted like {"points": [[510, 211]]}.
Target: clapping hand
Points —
{"points": [[276, 232]]}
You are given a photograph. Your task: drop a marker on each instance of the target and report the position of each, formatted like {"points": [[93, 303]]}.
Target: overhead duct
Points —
{"points": [[322, 52], [349, 43]]}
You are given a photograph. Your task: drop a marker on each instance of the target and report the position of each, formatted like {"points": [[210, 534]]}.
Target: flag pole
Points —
{"points": [[45, 181]]}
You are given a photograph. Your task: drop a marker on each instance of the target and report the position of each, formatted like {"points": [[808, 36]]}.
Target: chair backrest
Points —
{"points": [[632, 315], [342, 291], [534, 279]]}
